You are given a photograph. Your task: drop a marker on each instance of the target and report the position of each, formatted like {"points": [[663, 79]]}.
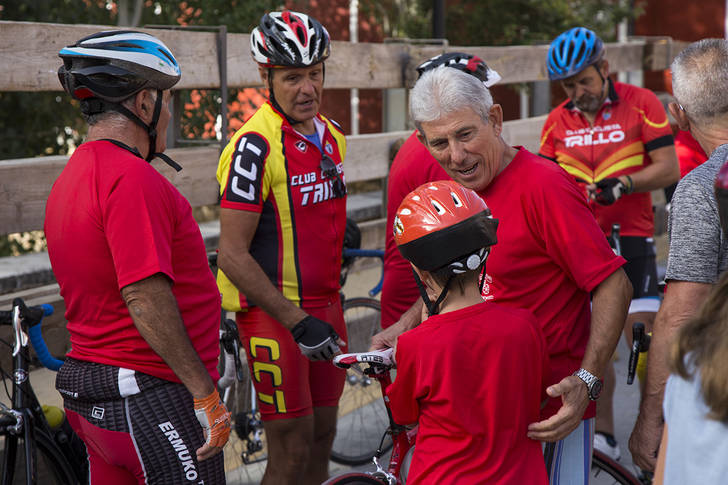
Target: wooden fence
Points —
{"points": [[31, 49]]}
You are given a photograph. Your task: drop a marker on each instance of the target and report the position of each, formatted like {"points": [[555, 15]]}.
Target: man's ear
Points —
{"points": [[144, 104], [680, 116], [604, 68], [263, 72], [495, 117], [421, 137]]}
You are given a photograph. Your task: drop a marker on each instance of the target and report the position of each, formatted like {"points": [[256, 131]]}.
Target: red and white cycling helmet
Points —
{"points": [[443, 224], [289, 39]]}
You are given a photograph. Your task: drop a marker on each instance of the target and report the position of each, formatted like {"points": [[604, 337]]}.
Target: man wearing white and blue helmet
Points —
{"points": [[615, 139], [141, 303]]}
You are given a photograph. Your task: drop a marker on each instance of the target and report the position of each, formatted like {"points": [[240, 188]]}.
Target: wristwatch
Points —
{"points": [[593, 383]]}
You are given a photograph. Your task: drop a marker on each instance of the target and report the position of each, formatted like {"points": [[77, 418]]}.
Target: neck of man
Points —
{"points": [[307, 127], [710, 134], [509, 153], [124, 131]]}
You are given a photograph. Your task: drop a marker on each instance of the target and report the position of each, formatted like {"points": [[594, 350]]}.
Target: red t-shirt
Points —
{"points": [[112, 220], [689, 152], [630, 124], [412, 167], [472, 378], [550, 255]]}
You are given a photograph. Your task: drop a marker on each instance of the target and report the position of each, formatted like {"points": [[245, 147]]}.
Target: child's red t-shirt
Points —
{"points": [[473, 379]]}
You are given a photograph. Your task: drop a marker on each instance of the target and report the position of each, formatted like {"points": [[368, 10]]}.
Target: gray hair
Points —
{"points": [[700, 79], [115, 118], [443, 90]]}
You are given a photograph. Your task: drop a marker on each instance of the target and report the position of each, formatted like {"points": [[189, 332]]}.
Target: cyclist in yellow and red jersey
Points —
{"points": [[616, 141], [282, 223]]}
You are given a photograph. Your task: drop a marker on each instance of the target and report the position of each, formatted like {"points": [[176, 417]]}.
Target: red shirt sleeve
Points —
{"points": [[403, 392], [139, 220], [572, 236]]}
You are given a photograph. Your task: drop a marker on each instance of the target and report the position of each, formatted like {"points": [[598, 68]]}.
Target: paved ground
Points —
{"points": [[626, 397]]}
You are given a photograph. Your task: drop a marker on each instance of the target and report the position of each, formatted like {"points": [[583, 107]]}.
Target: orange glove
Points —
{"points": [[214, 419]]}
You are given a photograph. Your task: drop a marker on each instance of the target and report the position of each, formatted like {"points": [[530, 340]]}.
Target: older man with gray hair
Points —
{"points": [[698, 250], [551, 256]]}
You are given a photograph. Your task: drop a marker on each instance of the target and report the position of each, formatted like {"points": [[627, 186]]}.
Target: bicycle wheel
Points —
{"points": [[246, 451], [362, 420], [51, 466], [605, 471], [354, 479]]}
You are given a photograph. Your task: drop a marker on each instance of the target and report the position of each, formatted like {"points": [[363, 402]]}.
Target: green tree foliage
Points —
{"points": [[500, 22], [33, 124]]}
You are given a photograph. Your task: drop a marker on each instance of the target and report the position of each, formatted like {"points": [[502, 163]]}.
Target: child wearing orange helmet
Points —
{"points": [[472, 374]]}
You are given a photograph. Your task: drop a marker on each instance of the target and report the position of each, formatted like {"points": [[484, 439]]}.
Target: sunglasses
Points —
{"points": [[328, 167]]}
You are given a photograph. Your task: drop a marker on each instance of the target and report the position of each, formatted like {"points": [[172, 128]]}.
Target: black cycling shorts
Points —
{"points": [[641, 267], [137, 428]]}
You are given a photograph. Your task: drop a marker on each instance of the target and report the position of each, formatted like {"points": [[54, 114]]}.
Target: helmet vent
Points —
{"points": [[440, 209], [456, 199]]}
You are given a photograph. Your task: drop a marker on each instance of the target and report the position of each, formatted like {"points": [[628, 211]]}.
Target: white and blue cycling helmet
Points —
{"points": [[114, 65], [572, 52], [104, 69]]}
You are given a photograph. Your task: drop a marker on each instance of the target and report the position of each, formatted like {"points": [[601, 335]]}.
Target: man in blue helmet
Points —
{"points": [[141, 303], [616, 141]]}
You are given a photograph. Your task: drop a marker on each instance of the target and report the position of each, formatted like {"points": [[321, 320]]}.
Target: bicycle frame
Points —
{"points": [[403, 438], [26, 411]]}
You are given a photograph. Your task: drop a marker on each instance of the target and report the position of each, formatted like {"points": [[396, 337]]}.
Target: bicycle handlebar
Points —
{"points": [[382, 358], [32, 317]]}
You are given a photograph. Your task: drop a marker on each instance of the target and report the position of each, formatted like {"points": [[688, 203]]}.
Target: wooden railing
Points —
{"points": [[31, 49]]}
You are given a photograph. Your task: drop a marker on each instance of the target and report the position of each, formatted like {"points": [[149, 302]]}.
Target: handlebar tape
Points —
{"points": [[41, 349]]}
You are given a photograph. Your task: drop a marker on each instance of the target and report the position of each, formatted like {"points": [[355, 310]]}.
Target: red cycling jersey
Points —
{"points": [[270, 168], [630, 124], [113, 220]]}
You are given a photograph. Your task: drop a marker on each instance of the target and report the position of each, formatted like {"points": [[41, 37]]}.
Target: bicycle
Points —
{"points": [[362, 418], [245, 452], [50, 454], [378, 365]]}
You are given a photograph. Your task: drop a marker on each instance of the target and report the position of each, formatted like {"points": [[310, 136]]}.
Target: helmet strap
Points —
{"points": [[150, 128], [432, 307]]}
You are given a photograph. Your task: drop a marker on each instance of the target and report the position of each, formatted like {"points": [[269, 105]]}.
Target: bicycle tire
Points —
{"points": [[238, 401], [52, 468], [354, 479], [605, 471], [362, 418]]}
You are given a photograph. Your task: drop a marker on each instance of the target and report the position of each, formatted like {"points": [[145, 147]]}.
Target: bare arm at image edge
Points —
{"points": [[681, 303]]}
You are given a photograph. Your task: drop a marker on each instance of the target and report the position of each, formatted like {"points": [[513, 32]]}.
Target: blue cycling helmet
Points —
{"points": [[572, 52]]}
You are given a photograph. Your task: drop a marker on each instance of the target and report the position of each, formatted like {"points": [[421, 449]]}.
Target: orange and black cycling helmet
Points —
{"points": [[443, 223]]}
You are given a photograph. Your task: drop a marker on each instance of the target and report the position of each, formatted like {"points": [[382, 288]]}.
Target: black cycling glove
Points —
{"points": [[609, 191], [316, 338]]}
